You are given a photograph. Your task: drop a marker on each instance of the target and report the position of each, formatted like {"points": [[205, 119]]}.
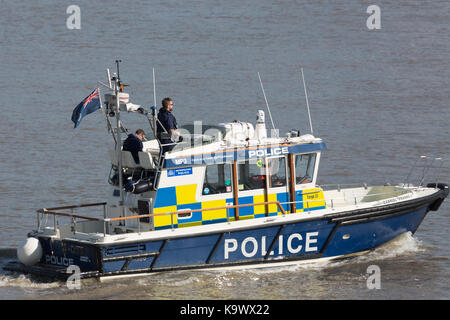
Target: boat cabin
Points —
{"points": [[215, 167]]}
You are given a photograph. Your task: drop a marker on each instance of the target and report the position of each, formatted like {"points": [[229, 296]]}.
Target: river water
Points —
{"points": [[379, 99]]}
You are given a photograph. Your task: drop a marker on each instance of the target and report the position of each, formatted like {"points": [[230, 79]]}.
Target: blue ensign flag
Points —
{"points": [[89, 104]]}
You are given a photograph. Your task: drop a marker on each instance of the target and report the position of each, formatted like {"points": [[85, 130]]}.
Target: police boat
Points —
{"points": [[227, 196]]}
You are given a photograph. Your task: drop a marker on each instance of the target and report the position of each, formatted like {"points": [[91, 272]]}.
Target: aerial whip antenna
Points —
{"points": [[267, 104], [154, 105], [108, 75], [307, 104], [154, 88]]}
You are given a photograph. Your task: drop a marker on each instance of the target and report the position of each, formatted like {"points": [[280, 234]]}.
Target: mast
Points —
{"points": [[117, 89]]}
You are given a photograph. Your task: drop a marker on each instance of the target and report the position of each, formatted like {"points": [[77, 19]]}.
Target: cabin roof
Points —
{"points": [[221, 151]]}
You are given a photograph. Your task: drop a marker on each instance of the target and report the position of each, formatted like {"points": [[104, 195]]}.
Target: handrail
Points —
{"points": [[344, 184], [71, 215], [45, 211], [68, 215], [198, 210], [75, 206]]}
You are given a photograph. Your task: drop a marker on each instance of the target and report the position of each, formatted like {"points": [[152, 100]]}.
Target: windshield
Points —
{"points": [[196, 135]]}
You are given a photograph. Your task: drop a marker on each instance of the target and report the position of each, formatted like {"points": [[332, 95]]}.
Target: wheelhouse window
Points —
{"points": [[304, 168], [277, 169], [252, 175], [217, 179]]}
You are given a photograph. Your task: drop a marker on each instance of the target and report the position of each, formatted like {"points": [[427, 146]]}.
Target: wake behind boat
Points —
{"points": [[226, 195]]}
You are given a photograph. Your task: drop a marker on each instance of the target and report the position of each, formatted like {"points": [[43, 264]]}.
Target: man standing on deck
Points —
{"points": [[167, 125]]}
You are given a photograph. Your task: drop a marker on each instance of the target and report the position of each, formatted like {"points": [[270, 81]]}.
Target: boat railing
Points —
{"points": [[54, 211], [421, 169], [347, 199], [105, 221], [340, 186], [308, 205]]}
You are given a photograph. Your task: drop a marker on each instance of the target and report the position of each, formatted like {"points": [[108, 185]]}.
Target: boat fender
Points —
{"points": [[30, 252], [142, 186], [444, 187], [139, 186]]}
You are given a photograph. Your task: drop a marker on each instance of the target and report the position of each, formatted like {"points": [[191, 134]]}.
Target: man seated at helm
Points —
{"points": [[133, 143]]}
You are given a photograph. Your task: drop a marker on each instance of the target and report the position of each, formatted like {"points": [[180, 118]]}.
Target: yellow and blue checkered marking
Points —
{"points": [[173, 199], [309, 200]]}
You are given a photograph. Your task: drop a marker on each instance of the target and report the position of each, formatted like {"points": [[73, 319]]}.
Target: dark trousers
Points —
{"points": [[167, 148]]}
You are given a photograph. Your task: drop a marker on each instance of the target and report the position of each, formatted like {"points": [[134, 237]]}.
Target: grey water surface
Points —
{"points": [[378, 98]]}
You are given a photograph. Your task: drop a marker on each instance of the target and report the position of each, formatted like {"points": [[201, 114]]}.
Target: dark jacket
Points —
{"points": [[167, 119], [134, 145]]}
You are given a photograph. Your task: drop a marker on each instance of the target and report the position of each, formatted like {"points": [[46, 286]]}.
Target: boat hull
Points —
{"points": [[331, 236]]}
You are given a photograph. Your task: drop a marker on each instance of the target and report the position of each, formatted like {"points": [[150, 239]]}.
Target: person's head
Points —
{"points": [[167, 103], [140, 134]]}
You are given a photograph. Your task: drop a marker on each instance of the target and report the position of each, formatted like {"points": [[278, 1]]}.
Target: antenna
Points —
{"points": [[267, 104], [307, 104], [154, 88], [118, 72], [119, 83], [154, 105], [108, 75]]}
